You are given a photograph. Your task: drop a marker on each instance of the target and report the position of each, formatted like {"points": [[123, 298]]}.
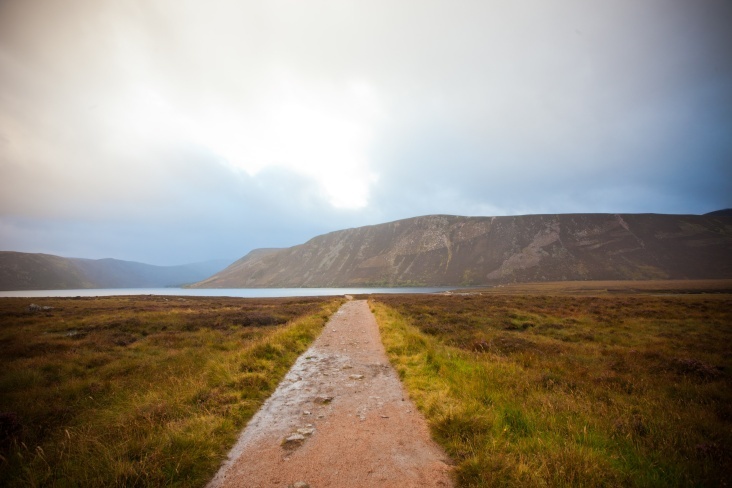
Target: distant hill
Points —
{"points": [[25, 271], [459, 251]]}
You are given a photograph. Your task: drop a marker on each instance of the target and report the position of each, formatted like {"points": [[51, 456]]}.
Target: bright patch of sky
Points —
{"points": [[322, 133]]}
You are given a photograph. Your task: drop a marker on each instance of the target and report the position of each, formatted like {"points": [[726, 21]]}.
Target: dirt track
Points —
{"points": [[357, 428]]}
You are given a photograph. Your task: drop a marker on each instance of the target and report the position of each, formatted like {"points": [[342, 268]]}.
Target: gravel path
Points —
{"points": [[340, 418]]}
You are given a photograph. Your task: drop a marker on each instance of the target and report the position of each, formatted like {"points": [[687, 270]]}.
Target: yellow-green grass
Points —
{"points": [[139, 391], [570, 391]]}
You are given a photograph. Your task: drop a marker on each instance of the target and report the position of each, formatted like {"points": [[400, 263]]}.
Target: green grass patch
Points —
{"points": [[139, 391], [567, 390]]}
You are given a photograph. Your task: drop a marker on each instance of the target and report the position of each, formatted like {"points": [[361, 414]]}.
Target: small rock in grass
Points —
{"points": [[299, 484], [323, 400], [356, 376], [306, 431]]}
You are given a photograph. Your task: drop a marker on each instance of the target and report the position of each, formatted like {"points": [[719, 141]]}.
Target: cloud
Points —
{"points": [[319, 133], [165, 131]]}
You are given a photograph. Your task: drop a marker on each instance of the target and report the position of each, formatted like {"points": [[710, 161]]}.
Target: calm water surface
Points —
{"points": [[219, 292]]}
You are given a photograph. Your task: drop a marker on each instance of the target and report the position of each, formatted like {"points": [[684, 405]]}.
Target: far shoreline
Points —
{"points": [[601, 287]]}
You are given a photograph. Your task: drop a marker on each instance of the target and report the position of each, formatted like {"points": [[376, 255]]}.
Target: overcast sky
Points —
{"points": [[170, 131]]}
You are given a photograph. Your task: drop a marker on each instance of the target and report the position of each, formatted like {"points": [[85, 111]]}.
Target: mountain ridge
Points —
{"points": [[450, 250], [40, 271]]}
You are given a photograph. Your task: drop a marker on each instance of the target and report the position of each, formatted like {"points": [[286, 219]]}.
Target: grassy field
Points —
{"points": [[600, 288], [139, 391], [569, 390]]}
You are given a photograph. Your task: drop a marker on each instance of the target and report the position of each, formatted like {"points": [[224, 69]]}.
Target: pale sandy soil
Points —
{"points": [[358, 427]]}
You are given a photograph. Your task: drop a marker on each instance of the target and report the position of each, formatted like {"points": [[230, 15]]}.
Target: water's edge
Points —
{"points": [[219, 292]]}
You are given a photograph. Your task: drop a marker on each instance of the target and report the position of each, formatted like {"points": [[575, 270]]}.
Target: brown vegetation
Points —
{"points": [[537, 389], [143, 391]]}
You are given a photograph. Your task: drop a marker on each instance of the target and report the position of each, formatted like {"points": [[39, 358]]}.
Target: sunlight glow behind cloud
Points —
{"points": [[320, 133]]}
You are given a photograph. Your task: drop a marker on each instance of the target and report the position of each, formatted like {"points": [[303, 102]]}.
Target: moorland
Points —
{"points": [[560, 385], [594, 384], [139, 391]]}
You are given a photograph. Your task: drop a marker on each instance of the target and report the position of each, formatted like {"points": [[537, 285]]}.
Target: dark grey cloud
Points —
{"points": [[168, 132]]}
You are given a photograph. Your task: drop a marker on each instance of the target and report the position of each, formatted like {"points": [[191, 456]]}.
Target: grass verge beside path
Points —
{"points": [[570, 391], [139, 391]]}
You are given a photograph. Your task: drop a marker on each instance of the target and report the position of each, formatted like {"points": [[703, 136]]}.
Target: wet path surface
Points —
{"points": [[340, 418]]}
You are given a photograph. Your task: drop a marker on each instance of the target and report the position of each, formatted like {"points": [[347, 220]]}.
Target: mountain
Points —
{"points": [[25, 271], [457, 251]]}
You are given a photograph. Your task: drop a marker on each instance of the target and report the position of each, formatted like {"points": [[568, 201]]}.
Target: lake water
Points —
{"points": [[219, 292]]}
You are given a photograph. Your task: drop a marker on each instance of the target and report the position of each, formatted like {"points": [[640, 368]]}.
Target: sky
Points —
{"points": [[177, 131]]}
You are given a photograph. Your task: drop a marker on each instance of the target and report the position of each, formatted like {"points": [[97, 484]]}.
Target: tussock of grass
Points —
{"points": [[146, 391], [629, 391]]}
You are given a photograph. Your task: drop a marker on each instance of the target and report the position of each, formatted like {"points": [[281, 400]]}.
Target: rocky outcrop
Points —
{"points": [[456, 251]]}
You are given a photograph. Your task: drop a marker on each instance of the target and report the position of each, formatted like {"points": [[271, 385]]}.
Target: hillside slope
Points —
{"points": [[26, 271], [452, 251]]}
